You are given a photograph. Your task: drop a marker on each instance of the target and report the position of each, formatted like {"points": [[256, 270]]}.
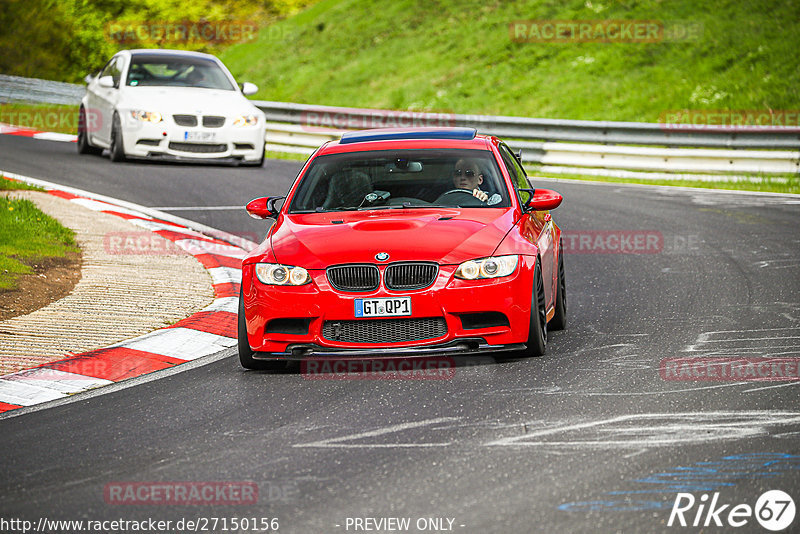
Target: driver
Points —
{"points": [[196, 77], [467, 175]]}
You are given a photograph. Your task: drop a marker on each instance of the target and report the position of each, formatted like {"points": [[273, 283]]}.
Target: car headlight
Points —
{"points": [[146, 116], [274, 274], [494, 267], [246, 120]]}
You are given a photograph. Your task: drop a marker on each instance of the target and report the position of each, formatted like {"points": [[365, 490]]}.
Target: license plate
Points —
{"points": [[383, 307], [199, 136]]}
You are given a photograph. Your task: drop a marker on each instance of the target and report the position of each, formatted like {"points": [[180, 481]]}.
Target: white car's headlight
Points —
{"points": [[274, 274], [493, 267], [146, 116], [246, 120]]}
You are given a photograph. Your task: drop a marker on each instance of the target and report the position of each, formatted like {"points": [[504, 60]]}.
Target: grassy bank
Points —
{"points": [[42, 117], [27, 237], [769, 184], [459, 56]]}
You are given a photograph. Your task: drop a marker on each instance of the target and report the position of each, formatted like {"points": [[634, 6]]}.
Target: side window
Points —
{"points": [[113, 69], [518, 176]]}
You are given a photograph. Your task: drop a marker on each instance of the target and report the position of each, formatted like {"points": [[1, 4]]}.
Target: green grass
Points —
{"points": [[26, 236], [772, 184], [43, 117], [8, 184], [458, 56]]}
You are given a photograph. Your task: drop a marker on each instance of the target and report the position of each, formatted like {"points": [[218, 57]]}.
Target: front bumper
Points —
{"points": [[463, 347], [456, 302], [167, 140]]}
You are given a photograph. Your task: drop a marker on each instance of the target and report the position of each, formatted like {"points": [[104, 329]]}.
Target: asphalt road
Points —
{"points": [[589, 438]]}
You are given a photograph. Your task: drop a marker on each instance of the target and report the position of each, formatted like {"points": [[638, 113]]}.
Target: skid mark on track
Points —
{"points": [[656, 430], [762, 342], [634, 433], [340, 442]]}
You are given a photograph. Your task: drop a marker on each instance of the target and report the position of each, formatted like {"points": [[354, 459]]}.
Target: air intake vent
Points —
{"points": [[211, 121], [185, 120], [198, 148], [384, 330], [406, 276], [353, 278]]}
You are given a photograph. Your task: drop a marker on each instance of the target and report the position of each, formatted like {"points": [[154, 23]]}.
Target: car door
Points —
{"points": [[535, 226], [103, 100]]}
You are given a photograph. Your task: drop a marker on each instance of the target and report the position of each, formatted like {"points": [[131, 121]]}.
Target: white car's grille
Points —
{"points": [[185, 120], [211, 121]]}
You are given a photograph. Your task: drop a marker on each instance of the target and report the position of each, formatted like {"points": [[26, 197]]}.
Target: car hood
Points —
{"points": [[446, 236], [189, 100]]}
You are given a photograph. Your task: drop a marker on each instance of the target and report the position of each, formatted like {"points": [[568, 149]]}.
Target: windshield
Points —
{"points": [[176, 71], [401, 179]]}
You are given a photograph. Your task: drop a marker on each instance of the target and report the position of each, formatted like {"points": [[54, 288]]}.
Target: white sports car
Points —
{"points": [[170, 104]]}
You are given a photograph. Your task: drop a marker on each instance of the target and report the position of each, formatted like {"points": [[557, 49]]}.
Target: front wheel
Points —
{"points": [[257, 163], [559, 320], [84, 147], [246, 352], [537, 333], [117, 149]]}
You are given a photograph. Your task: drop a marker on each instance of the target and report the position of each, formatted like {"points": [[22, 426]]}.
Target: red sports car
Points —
{"points": [[413, 242]]}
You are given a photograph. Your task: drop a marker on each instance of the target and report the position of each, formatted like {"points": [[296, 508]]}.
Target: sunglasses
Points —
{"points": [[468, 173]]}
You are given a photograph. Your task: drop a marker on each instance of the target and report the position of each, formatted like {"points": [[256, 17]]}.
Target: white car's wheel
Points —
{"points": [[84, 146], [117, 149]]}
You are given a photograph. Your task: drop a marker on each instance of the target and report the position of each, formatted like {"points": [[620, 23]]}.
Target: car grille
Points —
{"points": [[185, 120], [405, 276], [353, 278], [384, 330], [211, 121], [198, 148]]}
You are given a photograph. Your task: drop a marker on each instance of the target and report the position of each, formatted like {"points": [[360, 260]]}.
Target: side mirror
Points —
{"points": [[106, 81], [541, 200], [263, 208], [249, 88]]}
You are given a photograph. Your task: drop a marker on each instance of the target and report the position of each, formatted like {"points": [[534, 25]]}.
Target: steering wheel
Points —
{"points": [[472, 201]]}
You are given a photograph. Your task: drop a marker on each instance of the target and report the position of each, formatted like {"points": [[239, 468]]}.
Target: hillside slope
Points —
{"points": [[459, 56]]}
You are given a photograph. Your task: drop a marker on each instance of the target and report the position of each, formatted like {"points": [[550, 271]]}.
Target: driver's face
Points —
{"points": [[466, 175]]}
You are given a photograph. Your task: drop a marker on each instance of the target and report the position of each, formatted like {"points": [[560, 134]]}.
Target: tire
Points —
{"points": [[537, 333], [117, 149], [246, 352], [559, 320], [257, 163], [84, 147]]}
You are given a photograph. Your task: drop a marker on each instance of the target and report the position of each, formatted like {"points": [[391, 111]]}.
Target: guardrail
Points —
{"points": [[301, 128], [556, 144]]}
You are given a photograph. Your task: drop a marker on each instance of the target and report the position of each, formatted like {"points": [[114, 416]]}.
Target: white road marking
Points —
{"points": [[156, 226], [53, 136], [337, 442], [14, 392], [95, 205], [59, 381], [198, 208], [228, 304], [117, 386], [196, 246], [225, 275], [181, 343]]}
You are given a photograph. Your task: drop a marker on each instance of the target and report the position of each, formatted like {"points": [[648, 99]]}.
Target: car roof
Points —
{"points": [[408, 138], [168, 52]]}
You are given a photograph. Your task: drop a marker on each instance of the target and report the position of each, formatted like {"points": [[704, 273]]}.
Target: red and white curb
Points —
{"points": [[208, 331], [36, 134]]}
